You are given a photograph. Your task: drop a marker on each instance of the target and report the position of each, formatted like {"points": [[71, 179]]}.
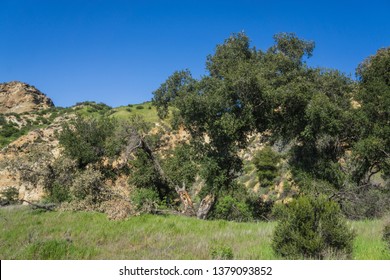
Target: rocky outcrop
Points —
{"points": [[18, 97], [19, 150]]}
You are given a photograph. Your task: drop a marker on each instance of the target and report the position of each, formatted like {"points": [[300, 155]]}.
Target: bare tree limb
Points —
{"points": [[47, 207]]}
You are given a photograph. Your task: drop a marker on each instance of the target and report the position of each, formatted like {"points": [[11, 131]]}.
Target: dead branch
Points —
{"points": [[47, 207]]}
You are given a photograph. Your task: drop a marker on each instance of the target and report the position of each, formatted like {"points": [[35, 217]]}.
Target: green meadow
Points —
{"points": [[32, 234]]}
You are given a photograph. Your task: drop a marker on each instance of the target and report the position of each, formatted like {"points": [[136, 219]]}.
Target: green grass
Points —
{"points": [[368, 243], [149, 115], [30, 234]]}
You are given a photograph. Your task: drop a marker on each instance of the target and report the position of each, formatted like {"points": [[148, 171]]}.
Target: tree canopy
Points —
{"points": [[321, 114]]}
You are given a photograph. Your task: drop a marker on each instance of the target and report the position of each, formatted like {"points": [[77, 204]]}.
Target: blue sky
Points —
{"points": [[118, 52]]}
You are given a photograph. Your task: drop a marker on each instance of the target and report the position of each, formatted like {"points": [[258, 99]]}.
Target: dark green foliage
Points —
{"points": [[9, 195], [372, 151], [3, 121], [84, 140], [143, 173], [291, 46], [9, 130], [169, 90], [246, 91], [312, 228], [139, 107], [145, 200], [261, 210], [266, 161], [59, 193], [180, 166], [232, 209]]}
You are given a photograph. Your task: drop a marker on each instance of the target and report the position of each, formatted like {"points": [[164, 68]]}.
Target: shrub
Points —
{"points": [[139, 107], [221, 252], [59, 193], [85, 140], [10, 195], [9, 130], [261, 209], [266, 162], [145, 200], [232, 209], [311, 228]]}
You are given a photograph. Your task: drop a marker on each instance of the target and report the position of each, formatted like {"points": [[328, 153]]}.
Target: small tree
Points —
{"points": [[266, 162], [312, 228], [85, 139]]}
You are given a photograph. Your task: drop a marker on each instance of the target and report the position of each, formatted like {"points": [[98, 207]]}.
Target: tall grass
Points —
{"points": [[369, 243], [28, 234]]}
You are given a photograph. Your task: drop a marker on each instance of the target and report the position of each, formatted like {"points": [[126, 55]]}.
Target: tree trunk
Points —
{"points": [[205, 206], [183, 194]]}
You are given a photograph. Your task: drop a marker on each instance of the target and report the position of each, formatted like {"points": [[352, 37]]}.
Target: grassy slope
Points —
{"points": [[149, 112], [27, 234]]}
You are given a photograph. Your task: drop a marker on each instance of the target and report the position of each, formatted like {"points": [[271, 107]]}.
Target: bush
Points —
{"points": [[59, 193], [312, 228], [139, 107], [85, 139], [221, 253], [145, 200], [232, 209], [9, 130], [10, 195], [261, 209], [266, 162]]}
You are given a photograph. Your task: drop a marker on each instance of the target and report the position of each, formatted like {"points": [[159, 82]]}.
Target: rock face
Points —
{"points": [[18, 97], [18, 150]]}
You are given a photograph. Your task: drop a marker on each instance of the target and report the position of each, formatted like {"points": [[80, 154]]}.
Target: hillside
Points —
{"points": [[34, 133], [30, 139]]}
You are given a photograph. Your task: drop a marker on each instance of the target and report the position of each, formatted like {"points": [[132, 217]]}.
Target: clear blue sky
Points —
{"points": [[118, 52]]}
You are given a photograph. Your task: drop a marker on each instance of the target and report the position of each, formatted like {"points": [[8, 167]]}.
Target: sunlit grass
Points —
{"points": [[147, 112], [28, 234], [368, 243]]}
